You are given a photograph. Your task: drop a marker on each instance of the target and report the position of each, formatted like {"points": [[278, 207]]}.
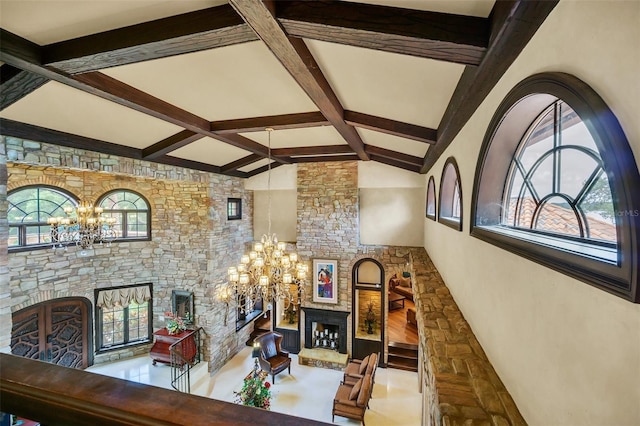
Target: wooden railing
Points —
{"points": [[55, 395], [185, 354]]}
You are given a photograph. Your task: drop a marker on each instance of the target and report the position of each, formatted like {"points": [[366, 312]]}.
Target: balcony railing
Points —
{"points": [[55, 395]]}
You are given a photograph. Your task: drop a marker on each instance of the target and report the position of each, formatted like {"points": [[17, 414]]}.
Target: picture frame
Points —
{"points": [[325, 281]]}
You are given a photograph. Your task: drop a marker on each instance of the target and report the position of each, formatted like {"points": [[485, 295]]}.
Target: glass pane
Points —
{"points": [[13, 236], [38, 234], [542, 178], [558, 217], [431, 197], [521, 210], [455, 210], [575, 169], [539, 142], [598, 207]]}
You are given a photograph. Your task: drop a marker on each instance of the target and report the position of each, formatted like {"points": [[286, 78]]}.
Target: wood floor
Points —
{"points": [[398, 329]]}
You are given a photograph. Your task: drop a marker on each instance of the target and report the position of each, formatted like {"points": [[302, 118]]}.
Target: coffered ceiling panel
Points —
{"points": [[313, 136], [62, 108], [239, 81], [404, 86]]}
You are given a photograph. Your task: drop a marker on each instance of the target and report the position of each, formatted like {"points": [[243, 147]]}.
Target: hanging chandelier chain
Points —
{"points": [[268, 272], [269, 130]]}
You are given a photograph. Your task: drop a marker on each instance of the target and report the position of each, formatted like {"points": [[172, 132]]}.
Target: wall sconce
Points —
{"points": [[225, 296]]}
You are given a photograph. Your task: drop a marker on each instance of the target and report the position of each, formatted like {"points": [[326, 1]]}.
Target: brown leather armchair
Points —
{"points": [[272, 358]]}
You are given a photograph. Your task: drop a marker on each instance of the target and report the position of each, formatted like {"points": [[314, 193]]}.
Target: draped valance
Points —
{"points": [[123, 296]]}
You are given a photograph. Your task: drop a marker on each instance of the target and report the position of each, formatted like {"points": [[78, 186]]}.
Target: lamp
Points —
{"points": [[268, 272], [255, 353], [84, 226]]}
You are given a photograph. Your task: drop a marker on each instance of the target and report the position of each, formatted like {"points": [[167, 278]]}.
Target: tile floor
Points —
{"points": [[308, 392]]}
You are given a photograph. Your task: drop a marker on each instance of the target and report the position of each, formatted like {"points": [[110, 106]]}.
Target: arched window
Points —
{"points": [[28, 211], [557, 183], [431, 199], [450, 206], [131, 211]]}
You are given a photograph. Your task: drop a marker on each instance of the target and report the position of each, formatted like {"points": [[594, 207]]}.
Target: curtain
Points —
{"points": [[123, 296]]}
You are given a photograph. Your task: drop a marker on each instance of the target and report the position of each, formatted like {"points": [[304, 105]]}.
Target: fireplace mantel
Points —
{"points": [[326, 316]]}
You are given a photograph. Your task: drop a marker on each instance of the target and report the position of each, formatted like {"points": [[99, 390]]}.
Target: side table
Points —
{"points": [[163, 340]]}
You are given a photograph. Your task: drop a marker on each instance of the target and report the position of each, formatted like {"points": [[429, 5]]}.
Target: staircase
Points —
{"points": [[403, 356], [260, 326]]}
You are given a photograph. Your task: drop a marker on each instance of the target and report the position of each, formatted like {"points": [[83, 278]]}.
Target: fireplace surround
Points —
{"points": [[327, 317]]}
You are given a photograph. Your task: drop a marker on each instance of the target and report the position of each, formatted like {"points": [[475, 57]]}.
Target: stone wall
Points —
{"points": [[192, 242], [460, 386]]}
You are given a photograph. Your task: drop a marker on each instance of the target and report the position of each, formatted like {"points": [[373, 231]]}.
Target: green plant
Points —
{"points": [[255, 392]]}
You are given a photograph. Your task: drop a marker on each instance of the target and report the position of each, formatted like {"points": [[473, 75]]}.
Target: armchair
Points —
{"points": [[272, 358], [357, 369], [352, 401]]}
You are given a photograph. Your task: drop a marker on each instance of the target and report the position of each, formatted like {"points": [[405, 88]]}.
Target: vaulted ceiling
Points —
{"points": [[195, 83]]}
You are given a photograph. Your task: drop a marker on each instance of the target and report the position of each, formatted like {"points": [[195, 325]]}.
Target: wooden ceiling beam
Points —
{"points": [[169, 144], [393, 155], [41, 134], [245, 161], [313, 150], [298, 61], [15, 84], [399, 164], [276, 122], [175, 35], [513, 24], [25, 55], [327, 158], [391, 127], [454, 38]]}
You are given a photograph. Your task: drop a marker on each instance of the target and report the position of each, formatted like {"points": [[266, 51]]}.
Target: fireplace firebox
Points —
{"points": [[332, 323]]}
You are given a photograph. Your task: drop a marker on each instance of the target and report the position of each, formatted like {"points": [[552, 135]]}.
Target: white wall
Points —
{"points": [[568, 353], [392, 205]]}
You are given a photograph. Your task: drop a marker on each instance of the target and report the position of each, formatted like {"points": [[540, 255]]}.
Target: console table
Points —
{"points": [[163, 340]]}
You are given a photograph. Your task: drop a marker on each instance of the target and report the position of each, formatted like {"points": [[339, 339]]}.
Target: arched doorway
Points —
{"points": [[368, 308], [57, 331]]}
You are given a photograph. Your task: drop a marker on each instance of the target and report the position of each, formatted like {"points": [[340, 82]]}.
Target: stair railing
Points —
{"points": [[185, 354]]}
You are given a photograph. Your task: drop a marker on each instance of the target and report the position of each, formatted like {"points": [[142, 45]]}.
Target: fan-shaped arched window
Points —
{"points": [[450, 206], [431, 199], [131, 211], [557, 183], [28, 211]]}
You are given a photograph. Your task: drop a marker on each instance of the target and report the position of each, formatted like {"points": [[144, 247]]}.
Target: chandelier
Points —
{"points": [[83, 226], [268, 272]]}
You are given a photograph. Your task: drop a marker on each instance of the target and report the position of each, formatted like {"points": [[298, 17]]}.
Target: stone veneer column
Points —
{"points": [[328, 221], [5, 291]]}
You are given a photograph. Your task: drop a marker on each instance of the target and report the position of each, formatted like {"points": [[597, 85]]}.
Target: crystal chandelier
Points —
{"points": [[83, 226], [268, 272]]}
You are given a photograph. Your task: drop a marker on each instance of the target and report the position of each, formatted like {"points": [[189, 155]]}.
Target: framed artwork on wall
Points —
{"points": [[325, 281]]}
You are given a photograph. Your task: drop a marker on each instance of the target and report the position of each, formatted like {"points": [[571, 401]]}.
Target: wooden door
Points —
{"points": [[57, 331]]}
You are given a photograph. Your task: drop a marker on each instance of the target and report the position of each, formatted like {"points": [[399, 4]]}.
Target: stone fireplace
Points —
{"points": [[332, 323]]}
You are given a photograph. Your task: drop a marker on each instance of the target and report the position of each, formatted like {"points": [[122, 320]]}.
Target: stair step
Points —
{"points": [[402, 363], [402, 367]]}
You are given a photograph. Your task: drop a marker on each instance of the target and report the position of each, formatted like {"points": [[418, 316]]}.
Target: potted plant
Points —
{"points": [[290, 314], [175, 324], [370, 319]]}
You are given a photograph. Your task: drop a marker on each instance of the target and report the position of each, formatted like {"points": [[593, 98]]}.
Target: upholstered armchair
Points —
{"points": [[352, 401], [357, 369], [272, 358]]}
